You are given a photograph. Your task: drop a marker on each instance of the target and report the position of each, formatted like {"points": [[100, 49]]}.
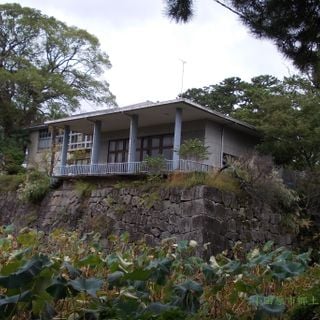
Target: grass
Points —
{"points": [[11, 182], [84, 188], [221, 180]]}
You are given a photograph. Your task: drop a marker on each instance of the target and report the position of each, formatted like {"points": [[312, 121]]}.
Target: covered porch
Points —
{"points": [[127, 127]]}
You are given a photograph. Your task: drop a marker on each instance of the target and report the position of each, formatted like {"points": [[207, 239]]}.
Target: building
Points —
{"points": [[116, 141]]}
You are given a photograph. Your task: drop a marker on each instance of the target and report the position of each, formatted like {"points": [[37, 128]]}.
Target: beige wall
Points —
{"points": [[40, 159], [221, 139], [238, 143], [212, 140]]}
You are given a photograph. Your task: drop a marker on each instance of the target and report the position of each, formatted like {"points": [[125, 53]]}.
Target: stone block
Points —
{"points": [[190, 208], [197, 222], [126, 199], [155, 232], [232, 226], [184, 225], [212, 194], [232, 236], [165, 235], [219, 212]]}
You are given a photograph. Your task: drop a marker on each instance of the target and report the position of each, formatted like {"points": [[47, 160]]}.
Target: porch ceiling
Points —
{"points": [[149, 115]]}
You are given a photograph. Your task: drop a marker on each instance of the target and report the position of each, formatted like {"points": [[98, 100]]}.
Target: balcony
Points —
{"points": [[128, 168]]}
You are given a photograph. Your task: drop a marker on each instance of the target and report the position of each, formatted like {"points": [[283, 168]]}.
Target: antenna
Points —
{"points": [[182, 75]]}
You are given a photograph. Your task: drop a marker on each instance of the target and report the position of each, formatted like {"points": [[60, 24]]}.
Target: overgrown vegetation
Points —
{"points": [[69, 277], [84, 188], [11, 182], [35, 186], [224, 181], [193, 149]]}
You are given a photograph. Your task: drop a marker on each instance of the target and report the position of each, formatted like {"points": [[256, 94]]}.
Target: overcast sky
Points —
{"points": [[145, 48]]}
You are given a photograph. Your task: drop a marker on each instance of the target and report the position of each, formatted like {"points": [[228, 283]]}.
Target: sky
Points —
{"points": [[146, 49]]}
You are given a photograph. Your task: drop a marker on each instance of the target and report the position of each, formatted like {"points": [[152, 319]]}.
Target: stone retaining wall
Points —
{"points": [[200, 213]]}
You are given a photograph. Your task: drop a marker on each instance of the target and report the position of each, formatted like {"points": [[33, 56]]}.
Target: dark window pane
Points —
{"points": [[112, 158], [112, 146], [145, 143], [167, 153], [144, 154], [155, 152], [155, 142], [120, 145], [167, 141], [119, 157]]}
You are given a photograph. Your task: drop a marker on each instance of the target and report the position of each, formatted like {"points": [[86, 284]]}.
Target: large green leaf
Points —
{"points": [[91, 260], [267, 305], [187, 296], [90, 286], [138, 275], [115, 279], [25, 274], [59, 288], [7, 304], [160, 269], [282, 269]]}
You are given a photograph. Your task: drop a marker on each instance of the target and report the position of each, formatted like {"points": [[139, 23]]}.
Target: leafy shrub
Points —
{"points": [[35, 187], [193, 149], [259, 178], [11, 154], [155, 164]]}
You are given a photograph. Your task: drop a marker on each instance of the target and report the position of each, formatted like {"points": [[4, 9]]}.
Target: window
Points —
{"points": [[156, 145], [146, 146], [44, 141], [77, 140], [118, 150]]}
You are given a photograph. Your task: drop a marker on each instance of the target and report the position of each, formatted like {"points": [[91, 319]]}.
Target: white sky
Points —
{"points": [[145, 48]]}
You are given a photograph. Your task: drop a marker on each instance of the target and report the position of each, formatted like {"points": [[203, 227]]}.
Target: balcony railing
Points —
{"points": [[125, 168]]}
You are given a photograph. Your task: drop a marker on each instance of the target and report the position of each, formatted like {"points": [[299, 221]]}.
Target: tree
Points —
{"points": [[194, 149], [286, 112], [293, 25], [46, 68], [223, 97]]}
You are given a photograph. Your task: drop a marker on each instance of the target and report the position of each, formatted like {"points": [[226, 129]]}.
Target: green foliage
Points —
{"points": [[35, 187], [285, 112], [155, 164], [73, 277], [221, 180], [84, 188], [47, 68], [11, 153], [194, 149], [259, 178], [11, 182]]}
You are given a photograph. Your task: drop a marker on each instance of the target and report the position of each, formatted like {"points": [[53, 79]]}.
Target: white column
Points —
{"points": [[96, 139], [133, 138], [177, 138], [222, 147], [65, 144]]}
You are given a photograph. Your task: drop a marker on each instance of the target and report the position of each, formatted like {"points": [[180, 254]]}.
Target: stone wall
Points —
{"points": [[201, 213]]}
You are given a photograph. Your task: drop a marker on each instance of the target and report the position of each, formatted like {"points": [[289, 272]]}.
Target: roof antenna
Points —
{"points": [[182, 76]]}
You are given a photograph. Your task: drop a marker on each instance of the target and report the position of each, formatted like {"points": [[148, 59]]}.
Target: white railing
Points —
{"points": [[103, 169]]}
